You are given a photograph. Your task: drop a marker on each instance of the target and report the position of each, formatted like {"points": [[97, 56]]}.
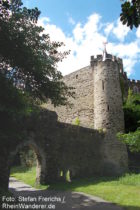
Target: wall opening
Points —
{"points": [[65, 175], [27, 164]]}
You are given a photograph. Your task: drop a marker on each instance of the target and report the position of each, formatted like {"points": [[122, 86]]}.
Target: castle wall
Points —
{"points": [[82, 105], [59, 147]]}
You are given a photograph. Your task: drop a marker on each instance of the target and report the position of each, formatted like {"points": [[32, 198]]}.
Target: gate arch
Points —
{"points": [[40, 158]]}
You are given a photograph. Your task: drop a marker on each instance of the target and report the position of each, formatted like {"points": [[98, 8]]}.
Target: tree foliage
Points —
{"points": [[132, 112], [130, 14], [132, 139], [132, 122], [27, 56]]}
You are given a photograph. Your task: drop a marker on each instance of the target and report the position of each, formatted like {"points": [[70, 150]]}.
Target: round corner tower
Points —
{"points": [[108, 112]]}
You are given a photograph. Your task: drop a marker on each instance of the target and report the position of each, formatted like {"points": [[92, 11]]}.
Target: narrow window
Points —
{"points": [[103, 85], [77, 76], [108, 107]]}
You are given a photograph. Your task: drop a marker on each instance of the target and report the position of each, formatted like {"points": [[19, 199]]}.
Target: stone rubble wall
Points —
{"points": [[82, 105], [59, 147]]}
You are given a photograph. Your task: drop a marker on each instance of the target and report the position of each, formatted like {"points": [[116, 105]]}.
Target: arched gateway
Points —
{"points": [[40, 158]]}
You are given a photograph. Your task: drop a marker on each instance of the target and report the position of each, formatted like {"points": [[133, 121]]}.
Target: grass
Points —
{"points": [[27, 175], [124, 190]]}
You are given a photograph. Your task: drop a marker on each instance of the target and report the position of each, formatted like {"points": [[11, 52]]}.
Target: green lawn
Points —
{"points": [[124, 191], [27, 175]]}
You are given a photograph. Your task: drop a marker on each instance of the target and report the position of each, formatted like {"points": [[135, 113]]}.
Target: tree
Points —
{"points": [[132, 139], [27, 56], [132, 112], [132, 122], [130, 15]]}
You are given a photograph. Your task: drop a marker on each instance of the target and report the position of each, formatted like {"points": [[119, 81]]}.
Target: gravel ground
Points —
{"points": [[26, 197]]}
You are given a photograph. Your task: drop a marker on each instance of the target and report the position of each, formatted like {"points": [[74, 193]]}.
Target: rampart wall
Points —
{"points": [[83, 103], [59, 147]]}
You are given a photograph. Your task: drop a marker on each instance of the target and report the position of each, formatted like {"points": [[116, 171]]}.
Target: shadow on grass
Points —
{"points": [[81, 183]]}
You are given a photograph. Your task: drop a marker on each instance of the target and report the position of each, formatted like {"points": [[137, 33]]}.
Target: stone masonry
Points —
{"points": [[98, 105], [83, 104]]}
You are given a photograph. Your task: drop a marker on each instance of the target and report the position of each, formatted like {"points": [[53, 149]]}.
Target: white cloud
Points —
{"points": [[43, 21], [87, 39], [84, 42], [116, 28], [109, 28], [129, 64], [124, 49], [78, 33], [120, 31]]}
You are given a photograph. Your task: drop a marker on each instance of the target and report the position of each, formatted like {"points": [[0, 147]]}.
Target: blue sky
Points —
{"points": [[83, 25]]}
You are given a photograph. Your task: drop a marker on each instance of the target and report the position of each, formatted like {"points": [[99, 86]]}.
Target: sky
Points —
{"points": [[83, 26]]}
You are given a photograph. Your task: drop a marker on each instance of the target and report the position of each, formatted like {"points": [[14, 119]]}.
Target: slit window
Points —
{"points": [[103, 85], [108, 107]]}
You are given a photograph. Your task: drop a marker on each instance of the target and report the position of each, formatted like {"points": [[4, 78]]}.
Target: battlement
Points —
{"points": [[134, 85], [107, 57], [133, 81], [130, 81]]}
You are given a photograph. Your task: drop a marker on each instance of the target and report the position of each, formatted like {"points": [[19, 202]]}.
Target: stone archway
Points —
{"points": [[40, 159]]}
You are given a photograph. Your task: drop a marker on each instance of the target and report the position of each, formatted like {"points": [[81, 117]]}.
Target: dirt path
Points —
{"points": [[50, 199]]}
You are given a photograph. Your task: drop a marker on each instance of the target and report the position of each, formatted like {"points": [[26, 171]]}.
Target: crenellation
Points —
{"points": [[99, 57]]}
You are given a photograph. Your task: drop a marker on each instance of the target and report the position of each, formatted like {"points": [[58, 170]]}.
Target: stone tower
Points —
{"points": [[108, 112]]}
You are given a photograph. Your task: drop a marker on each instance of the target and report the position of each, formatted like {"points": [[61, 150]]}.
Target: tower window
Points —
{"points": [[77, 76], [107, 107], [103, 85]]}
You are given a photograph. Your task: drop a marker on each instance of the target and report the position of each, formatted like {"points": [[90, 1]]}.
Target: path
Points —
{"points": [[57, 200]]}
